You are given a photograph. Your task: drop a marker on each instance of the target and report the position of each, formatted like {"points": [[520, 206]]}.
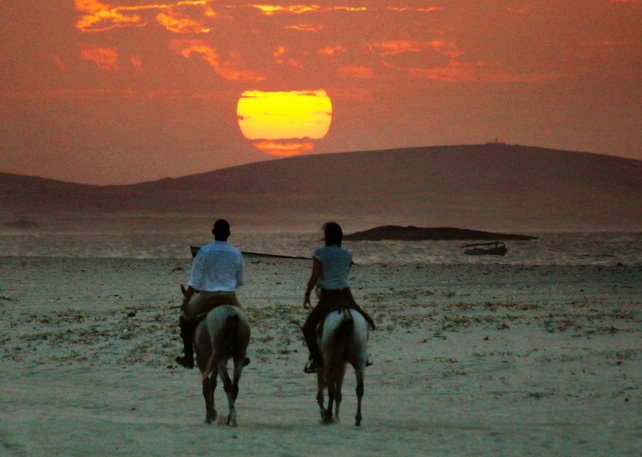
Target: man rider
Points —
{"points": [[217, 271]]}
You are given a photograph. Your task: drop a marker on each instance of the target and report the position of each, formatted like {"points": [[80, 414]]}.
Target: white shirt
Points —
{"points": [[335, 267], [218, 267]]}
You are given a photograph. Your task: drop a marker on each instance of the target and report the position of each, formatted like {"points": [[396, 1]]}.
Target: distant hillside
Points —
{"points": [[411, 233], [486, 187]]}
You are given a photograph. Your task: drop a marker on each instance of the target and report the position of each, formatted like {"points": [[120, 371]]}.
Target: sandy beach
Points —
{"points": [[483, 360]]}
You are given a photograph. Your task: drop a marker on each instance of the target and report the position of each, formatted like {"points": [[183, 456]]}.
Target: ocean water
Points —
{"points": [[548, 249]]}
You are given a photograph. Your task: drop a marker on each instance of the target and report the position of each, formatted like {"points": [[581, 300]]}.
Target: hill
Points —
{"points": [[395, 232], [487, 187]]}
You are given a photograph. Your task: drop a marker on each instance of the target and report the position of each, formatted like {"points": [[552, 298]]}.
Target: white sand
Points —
{"points": [[469, 360]]}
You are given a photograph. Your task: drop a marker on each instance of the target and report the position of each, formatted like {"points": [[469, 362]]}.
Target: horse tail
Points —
{"points": [[228, 343], [344, 332], [339, 345]]}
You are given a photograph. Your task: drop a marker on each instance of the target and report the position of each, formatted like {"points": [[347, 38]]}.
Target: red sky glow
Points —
{"points": [[125, 91]]}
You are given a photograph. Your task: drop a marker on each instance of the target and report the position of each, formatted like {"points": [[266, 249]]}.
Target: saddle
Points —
{"points": [[334, 300], [201, 317], [346, 316]]}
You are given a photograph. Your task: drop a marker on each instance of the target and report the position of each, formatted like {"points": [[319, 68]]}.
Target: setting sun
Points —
{"points": [[284, 123]]}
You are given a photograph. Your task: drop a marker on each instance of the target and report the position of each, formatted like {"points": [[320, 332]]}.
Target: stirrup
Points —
{"points": [[185, 362], [312, 367]]}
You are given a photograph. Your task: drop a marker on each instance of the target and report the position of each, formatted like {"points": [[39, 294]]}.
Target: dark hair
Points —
{"points": [[333, 233], [221, 230]]}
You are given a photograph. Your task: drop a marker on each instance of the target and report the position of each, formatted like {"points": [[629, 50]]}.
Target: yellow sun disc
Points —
{"points": [[271, 118]]}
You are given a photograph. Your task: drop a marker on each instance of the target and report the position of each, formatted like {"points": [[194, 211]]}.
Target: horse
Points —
{"points": [[222, 335], [343, 340]]}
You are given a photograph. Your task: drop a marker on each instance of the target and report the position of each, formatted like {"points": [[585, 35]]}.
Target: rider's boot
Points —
{"points": [[313, 366], [187, 335], [315, 362]]}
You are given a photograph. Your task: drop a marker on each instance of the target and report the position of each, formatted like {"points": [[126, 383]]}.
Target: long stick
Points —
{"points": [[194, 250]]}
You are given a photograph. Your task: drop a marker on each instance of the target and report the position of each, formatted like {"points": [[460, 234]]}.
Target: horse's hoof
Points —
{"points": [[185, 362], [231, 421]]}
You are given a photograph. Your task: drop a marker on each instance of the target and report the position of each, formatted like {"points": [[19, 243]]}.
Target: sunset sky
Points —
{"points": [[125, 91]]}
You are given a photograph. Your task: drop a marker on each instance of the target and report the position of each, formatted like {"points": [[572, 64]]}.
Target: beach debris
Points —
{"points": [[21, 224], [492, 248]]}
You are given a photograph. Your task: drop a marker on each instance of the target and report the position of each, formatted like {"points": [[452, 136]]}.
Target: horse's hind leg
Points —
{"points": [[326, 414], [338, 396], [232, 389], [360, 390], [209, 384], [332, 397]]}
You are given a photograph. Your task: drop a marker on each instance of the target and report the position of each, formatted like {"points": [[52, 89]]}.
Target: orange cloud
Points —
{"points": [[270, 10], [430, 9], [283, 148], [177, 22], [137, 63], [305, 28], [281, 58], [100, 17], [331, 50], [614, 43], [395, 47], [390, 48], [60, 63], [473, 72], [104, 58], [452, 72], [522, 9], [356, 71], [62, 94], [348, 8], [188, 47], [180, 24]]}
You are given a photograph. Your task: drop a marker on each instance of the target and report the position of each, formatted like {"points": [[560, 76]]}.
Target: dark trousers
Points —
{"points": [[316, 316]]}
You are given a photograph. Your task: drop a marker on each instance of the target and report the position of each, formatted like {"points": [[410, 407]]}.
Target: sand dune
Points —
{"points": [[486, 187]]}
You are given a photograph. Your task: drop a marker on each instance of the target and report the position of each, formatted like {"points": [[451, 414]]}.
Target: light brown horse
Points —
{"points": [[222, 335], [342, 341]]}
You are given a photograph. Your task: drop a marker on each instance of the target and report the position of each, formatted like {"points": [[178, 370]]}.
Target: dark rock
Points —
{"points": [[411, 233]]}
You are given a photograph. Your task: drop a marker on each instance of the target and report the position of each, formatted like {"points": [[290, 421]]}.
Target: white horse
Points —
{"points": [[343, 340], [222, 335]]}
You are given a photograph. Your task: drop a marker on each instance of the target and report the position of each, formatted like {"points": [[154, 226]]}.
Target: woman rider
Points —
{"points": [[330, 273]]}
